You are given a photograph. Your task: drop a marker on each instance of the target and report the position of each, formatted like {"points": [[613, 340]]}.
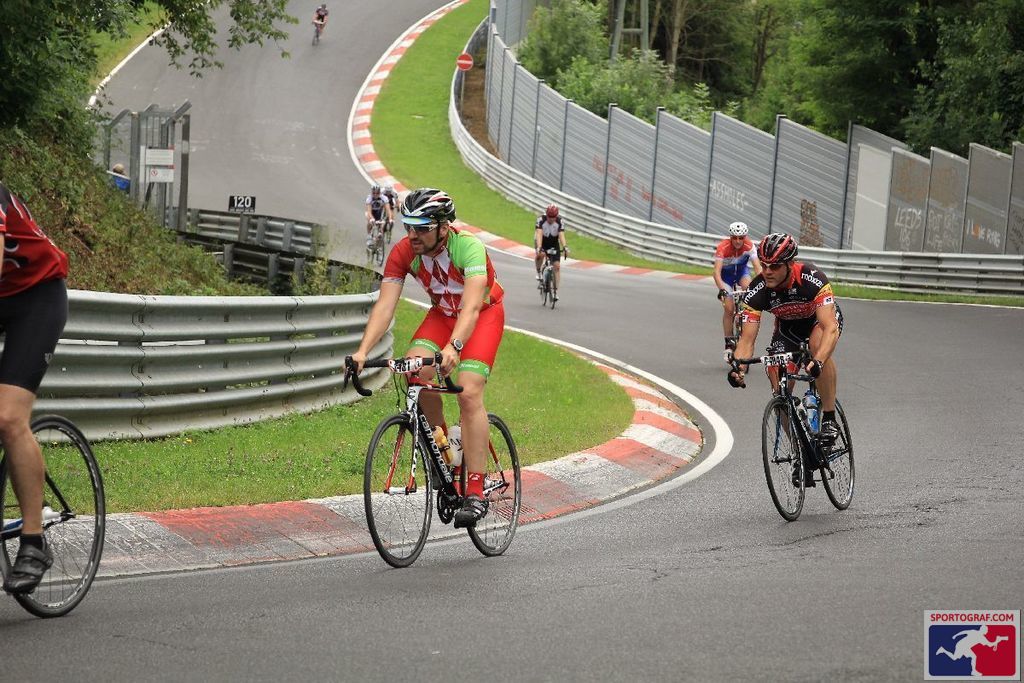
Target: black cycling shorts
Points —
{"points": [[551, 243], [790, 334], [31, 322]]}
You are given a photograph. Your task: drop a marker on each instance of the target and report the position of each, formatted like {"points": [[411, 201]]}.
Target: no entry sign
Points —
{"points": [[464, 61]]}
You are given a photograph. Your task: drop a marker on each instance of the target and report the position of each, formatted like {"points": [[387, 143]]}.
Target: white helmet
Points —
{"points": [[738, 229]]}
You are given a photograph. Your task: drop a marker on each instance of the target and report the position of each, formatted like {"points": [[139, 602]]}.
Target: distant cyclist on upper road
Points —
{"points": [[377, 208], [465, 322], [320, 17], [550, 234], [800, 297], [33, 310], [734, 258]]}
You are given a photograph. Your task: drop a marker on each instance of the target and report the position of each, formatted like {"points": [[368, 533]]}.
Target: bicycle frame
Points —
{"points": [[423, 433]]}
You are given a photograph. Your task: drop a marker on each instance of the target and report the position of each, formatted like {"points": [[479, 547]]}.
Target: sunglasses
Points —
{"points": [[420, 225], [774, 266]]}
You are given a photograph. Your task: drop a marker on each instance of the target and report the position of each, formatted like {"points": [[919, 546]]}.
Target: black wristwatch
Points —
{"points": [[457, 345]]}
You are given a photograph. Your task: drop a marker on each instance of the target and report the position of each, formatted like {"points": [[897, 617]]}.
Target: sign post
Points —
{"points": [[464, 62]]}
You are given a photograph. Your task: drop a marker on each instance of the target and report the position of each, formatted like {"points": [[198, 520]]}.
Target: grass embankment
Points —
{"points": [[411, 136], [111, 245], [309, 456]]}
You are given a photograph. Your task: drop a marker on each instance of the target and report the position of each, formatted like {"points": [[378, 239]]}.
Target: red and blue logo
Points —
{"points": [[971, 644]]}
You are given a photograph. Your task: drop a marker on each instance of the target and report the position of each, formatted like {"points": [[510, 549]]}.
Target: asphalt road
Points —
{"points": [[702, 582]]}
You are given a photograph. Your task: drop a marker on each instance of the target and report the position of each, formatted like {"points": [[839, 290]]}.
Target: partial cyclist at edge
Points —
{"points": [[550, 234], [735, 256], [33, 311], [465, 323], [377, 208], [392, 199], [800, 297]]}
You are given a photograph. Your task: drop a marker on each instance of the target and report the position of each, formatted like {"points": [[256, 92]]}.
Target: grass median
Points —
{"points": [[411, 137], [554, 402]]}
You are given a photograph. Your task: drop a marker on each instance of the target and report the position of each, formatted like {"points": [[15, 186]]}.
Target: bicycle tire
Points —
{"points": [[399, 538], [493, 534], [74, 485], [543, 287], [379, 252], [841, 463], [781, 467], [554, 290]]}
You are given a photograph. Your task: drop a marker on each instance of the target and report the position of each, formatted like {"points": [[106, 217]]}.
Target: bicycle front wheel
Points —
{"points": [[783, 458], [553, 289], [74, 517], [502, 489], [838, 476], [396, 492]]}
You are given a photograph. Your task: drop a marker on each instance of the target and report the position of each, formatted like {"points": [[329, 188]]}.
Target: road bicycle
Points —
{"points": [[791, 445], [376, 247], [548, 285], [737, 323], [406, 471], [318, 28], [74, 518]]}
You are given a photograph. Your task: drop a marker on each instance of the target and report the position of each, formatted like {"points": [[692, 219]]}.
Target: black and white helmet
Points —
{"points": [[427, 205], [738, 229]]}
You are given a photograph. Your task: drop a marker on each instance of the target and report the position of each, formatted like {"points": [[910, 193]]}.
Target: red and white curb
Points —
{"points": [[365, 156], [660, 442]]}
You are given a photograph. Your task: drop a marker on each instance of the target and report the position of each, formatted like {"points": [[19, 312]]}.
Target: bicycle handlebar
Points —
{"points": [[399, 366]]}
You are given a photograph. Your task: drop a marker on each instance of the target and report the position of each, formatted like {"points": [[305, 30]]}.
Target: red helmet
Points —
{"points": [[551, 211], [777, 247]]}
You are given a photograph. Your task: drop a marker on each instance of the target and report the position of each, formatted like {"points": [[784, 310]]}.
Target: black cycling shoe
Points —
{"points": [[28, 570], [808, 479], [473, 510]]}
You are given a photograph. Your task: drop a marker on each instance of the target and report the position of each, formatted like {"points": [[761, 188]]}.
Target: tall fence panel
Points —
{"points": [[494, 72], [586, 144], [908, 197], [810, 182], [524, 122], [1015, 223], [681, 176], [550, 136], [947, 192], [508, 74], [630, 164], [864, 189], [988, 196], [740, 186]]}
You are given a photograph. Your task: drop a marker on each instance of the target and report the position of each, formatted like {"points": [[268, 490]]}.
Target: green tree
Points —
{"points": [[854, 60], [568, 30], [974, 89], [638, 84]]}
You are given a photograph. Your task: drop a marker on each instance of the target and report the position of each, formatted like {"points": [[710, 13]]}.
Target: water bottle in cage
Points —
{"points": [[811, 406]]}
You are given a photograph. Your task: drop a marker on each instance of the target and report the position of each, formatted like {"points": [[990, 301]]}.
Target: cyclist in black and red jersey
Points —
{"points": [[33, 310], [800, 297], [549, 233]]}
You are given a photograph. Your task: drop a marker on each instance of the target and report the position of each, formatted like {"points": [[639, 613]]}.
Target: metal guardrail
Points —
{"points": [[271, 232], [131, 366], [910, 272]]}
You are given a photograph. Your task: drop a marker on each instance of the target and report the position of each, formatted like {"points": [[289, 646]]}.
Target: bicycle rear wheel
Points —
{"points": [[503, 488], [839, 482], [783, 458], [74, 517], [396, 492]]}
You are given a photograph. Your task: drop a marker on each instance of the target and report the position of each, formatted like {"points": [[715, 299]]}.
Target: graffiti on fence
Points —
{"points": [[985, 234], [621, 186], [724, 192], [910, 223], [810, 229], [944, 229]]}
